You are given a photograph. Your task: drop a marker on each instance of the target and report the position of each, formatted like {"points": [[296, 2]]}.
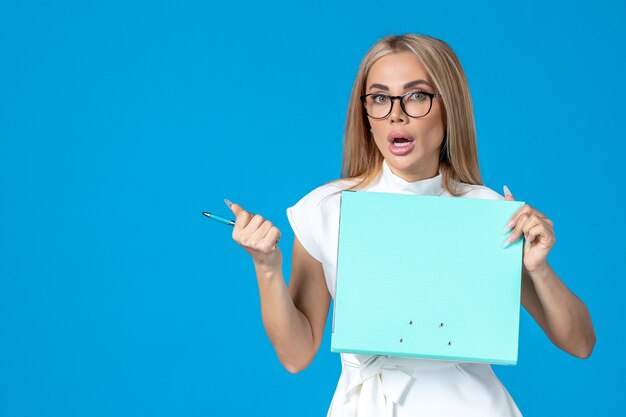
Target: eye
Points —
{"points": [[380, 99], [417, 96]]}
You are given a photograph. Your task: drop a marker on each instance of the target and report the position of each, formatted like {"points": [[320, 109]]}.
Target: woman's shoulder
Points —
{"points": [[312, 216], [477, 191], [329, 191]]}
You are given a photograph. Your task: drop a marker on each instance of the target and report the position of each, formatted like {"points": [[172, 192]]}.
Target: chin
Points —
{"points": [[404, 162]]}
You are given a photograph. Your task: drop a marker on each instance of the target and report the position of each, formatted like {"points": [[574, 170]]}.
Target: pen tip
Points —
{"points": [[206, 213]]}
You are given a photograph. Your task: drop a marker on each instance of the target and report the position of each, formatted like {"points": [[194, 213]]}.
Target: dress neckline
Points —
{"points": [[389, 181]]}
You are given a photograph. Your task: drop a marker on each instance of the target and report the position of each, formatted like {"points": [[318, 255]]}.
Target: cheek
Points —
{"points": [[377, 129], [439, 113], [436, 126]]}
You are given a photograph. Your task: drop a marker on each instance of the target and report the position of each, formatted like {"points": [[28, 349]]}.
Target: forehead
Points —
{"points": [[395, 69]]}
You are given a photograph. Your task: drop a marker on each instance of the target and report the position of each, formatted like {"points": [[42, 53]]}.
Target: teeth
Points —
{"points": [[401, 143]]}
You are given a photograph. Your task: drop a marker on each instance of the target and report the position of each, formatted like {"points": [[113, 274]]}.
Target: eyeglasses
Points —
{"points": [[415, 104]]}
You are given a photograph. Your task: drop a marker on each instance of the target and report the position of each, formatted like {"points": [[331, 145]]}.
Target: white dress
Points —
{"points": [[383, 386]]}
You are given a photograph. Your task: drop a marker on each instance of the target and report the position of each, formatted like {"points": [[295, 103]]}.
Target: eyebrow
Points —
{"points": [[407, 85]]}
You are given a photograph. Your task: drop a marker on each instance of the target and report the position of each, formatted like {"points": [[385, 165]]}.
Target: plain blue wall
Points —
{"points": [[121, 121]]}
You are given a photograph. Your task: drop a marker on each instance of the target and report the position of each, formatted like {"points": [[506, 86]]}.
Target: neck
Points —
{"points": [[422, 172]]}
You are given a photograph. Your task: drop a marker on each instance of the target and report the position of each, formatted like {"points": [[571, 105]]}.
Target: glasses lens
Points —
{"points": [[377, 105], [416, 104]]}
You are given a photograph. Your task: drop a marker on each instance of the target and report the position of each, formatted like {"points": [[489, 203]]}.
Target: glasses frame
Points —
{"points": [[401, 98]]}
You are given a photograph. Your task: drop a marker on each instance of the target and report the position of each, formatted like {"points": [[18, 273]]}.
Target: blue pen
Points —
{"points": [[218, 218]]}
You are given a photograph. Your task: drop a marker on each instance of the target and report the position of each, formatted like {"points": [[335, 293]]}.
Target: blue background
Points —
{"points": [[120, 122]]}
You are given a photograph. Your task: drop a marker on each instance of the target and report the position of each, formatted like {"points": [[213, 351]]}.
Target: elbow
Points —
{"points": [[293, 368], [296, 365], [583, 354], [298, 359], [586, 349]]}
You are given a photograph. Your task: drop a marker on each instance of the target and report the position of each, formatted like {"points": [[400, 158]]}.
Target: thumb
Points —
{"points": [[235, 208], [507, 194]]}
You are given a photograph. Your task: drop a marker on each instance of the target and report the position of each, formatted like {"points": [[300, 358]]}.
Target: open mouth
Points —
{"points": [[401, 142]]}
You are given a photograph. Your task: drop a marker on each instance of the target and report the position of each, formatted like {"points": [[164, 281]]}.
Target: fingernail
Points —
{"points": [[506, 191], [507, 227], [228, 203], [507, 242]]}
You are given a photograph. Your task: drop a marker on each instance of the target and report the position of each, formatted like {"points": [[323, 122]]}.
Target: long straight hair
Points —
{"points": [[458, 157]]}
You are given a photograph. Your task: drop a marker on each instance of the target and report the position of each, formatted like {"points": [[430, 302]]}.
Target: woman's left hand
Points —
{"points": [[538, 231]]}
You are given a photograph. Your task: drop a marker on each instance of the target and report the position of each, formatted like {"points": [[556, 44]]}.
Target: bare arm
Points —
{"points": [[562, 316], [294, 317]]}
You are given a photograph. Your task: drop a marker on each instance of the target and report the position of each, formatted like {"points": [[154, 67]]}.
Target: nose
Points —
{"points": [[397, 115]]}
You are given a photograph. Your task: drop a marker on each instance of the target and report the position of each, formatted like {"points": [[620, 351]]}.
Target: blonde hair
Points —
{"points": [[458, 160]]}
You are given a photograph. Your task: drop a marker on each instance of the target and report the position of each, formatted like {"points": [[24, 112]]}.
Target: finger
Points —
{"points": [[235, 208], [540, 214], [517, 230], [259, 234], [533, 232], [273, 237], [532, 221], [509, 197], [524, 210], [249, 236], [276, 234], [266, 237], [540, 233], [507, 194], [255, 223], [243, 217]]}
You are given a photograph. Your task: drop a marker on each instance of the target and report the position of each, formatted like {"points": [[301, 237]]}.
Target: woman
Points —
{"points": [[410, 129]]}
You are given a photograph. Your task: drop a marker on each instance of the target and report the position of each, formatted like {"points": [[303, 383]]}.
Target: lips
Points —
{"points": [[399, 134], [403, 145]]}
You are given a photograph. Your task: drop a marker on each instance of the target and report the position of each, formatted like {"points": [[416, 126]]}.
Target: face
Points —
{"points": [[394, 75]]}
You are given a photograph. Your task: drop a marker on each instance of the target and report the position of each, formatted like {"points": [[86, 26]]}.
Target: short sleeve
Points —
{"points": [[305, 220], [315, 219], [480, 192]]}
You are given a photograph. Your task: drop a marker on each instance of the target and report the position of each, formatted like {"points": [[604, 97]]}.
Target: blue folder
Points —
{"points": [[427, 277]]}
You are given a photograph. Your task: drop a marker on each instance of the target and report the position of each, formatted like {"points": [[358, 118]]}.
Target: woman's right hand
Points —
{"points": [[258, 237]]}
